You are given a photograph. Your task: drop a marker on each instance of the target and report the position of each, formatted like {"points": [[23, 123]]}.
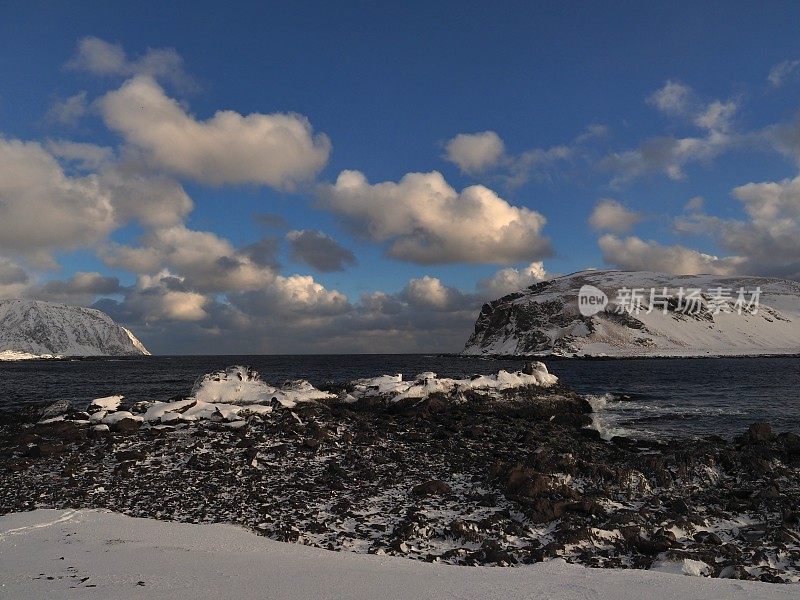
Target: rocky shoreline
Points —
{"points": [[460, 476]]}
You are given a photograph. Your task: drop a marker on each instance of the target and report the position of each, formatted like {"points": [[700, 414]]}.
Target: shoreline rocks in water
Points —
{"points": [[454, 471]]}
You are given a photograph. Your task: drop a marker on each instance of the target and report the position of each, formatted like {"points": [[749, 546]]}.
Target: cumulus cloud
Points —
{"points": [[694, 204], [674, 98], [634, 254], [279, 150], [297, 295], [484, 152], [666, 155], [475, 152], [163, 297], [69, 111], [42, 208], [717, 116], [152, 200], [100, 57], [206, 262], [782, 71], [430, 292], [319, 251], [769, 238], [426, 221], [610, 215], [81, 288], [13, 278], [671, 155], [510, 280]]}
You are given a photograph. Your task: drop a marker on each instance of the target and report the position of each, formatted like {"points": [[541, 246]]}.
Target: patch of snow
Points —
{"points": [[44, 553], [240, 385], [686, 566], [115, 417], [10, 355], [425, 384], [109, 403]]}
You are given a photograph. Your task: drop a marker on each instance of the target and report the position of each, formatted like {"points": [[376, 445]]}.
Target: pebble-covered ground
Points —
{"points": [[470, 481]]}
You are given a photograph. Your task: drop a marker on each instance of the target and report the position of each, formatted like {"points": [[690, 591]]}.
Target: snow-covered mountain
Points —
{"points": [[32, 328], [545, 318]]}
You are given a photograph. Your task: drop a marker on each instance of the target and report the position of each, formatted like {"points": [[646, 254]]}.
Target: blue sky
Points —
{"points": [[598, 123]]}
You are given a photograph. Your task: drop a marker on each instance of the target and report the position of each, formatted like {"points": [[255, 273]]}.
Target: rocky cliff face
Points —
{"points": [[545, 318], [30, 328]]}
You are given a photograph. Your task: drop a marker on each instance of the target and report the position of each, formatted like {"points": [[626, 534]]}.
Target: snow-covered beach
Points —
{"points": [[505, 470], [99, 554]]}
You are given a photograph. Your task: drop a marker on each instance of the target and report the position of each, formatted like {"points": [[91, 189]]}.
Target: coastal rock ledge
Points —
{"points": [[496, 470]]}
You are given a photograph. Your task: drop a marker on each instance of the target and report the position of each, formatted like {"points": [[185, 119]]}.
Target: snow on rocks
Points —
{"points": [[241, 385], [110, 403], [425, 384], [10, 355], [686, 566]]}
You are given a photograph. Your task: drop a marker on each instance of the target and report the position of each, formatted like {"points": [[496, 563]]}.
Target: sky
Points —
{"points": [[317, 177]]}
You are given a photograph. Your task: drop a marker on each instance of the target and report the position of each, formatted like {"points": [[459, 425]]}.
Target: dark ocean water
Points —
{"points": [[652, 397]]}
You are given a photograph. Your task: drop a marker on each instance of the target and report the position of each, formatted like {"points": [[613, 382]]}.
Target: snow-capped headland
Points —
{"points": [[647, 314], [32, 329]]}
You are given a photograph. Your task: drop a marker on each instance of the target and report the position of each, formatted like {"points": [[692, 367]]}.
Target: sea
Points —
{"points": [[655, 398]]}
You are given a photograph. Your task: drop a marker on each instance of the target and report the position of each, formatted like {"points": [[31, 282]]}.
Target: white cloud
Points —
{"points": [[280, 150], [674, 98], [475, 152], [99, 57], [671, 155], [610, 215], [430, 292], [153, 200], [717, 116], [69, 111], [510, 280], [292, 300], [694, 204], [484, 152], [666, 155], [161, 297], [14, 280], [635, 254], [43, 209], [769, 239], [426, 221], [780, 72], [81, 288], [206, 262]]}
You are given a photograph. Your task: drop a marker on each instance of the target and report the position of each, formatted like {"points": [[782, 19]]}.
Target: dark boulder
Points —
{"points": [[760, 432], [434, 487]]}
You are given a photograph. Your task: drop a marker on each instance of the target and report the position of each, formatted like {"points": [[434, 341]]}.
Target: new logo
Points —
{"points": [[591, 300]]}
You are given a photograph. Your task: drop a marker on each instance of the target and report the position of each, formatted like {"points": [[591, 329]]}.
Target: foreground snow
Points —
{"points": [[545, 319], [99, 554]]}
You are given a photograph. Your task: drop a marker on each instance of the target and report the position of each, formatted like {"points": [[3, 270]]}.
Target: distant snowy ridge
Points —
{"points": [[37, 329], [545, 319]]}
